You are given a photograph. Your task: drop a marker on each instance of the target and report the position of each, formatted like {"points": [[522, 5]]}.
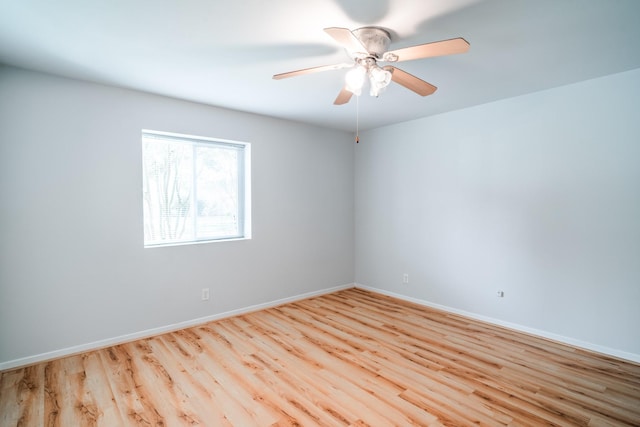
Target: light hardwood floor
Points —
{"points": [[348, 358]]}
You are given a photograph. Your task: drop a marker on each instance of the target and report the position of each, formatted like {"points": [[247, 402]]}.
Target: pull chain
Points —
{"points": [[357, 119]]}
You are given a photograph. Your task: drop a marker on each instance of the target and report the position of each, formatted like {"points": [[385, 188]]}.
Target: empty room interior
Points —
{"points": [[329, 212]]}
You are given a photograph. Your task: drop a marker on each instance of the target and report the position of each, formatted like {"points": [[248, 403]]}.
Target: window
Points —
{"points": [[194, 189]]}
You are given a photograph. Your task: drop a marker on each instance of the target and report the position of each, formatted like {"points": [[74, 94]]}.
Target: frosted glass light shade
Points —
{"points": [[379, 80], [355, 80]]}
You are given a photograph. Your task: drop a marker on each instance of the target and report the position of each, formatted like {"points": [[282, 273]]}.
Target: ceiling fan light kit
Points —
{"points": [[368, 45], [357, 76]]}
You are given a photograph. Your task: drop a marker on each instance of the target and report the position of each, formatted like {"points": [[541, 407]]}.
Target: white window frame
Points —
{"points": [[244, 184]]}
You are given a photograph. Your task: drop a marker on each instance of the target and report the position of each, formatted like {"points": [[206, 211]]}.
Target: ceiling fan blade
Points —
{"points": [[345, 37], [311, 70], [410, 81], [441, 48], [343, 97]]}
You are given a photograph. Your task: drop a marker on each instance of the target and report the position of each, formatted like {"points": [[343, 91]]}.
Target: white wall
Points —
{"points": [[538, 196], [72, 265]]}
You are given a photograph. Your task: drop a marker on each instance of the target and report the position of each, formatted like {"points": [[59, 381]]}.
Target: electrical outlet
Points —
{"points": [[205, 294], [405, 278], [500, 294]]}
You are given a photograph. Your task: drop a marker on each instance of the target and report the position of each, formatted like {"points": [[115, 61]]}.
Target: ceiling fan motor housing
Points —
{"points": [[375, 40]]}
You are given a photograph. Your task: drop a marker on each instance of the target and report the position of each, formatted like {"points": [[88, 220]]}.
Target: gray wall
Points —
{"points": [[538, 196], [73, 269]]}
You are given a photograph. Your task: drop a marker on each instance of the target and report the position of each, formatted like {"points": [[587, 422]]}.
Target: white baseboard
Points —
{"points": [[56, 354], [632, 357]]}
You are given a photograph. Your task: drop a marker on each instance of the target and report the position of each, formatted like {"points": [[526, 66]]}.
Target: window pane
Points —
{"points": [[217, 192], [167, 190]]}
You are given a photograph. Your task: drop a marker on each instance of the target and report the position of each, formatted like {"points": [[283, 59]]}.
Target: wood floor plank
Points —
{"points": [[25, 386], [96, 394], [351, 358]]}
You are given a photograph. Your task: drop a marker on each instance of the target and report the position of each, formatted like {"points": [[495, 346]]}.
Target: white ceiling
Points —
{"points": [[224, 53]]}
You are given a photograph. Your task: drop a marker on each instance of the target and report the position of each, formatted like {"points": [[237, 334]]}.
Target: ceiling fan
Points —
{"points": [[367, 46]]}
